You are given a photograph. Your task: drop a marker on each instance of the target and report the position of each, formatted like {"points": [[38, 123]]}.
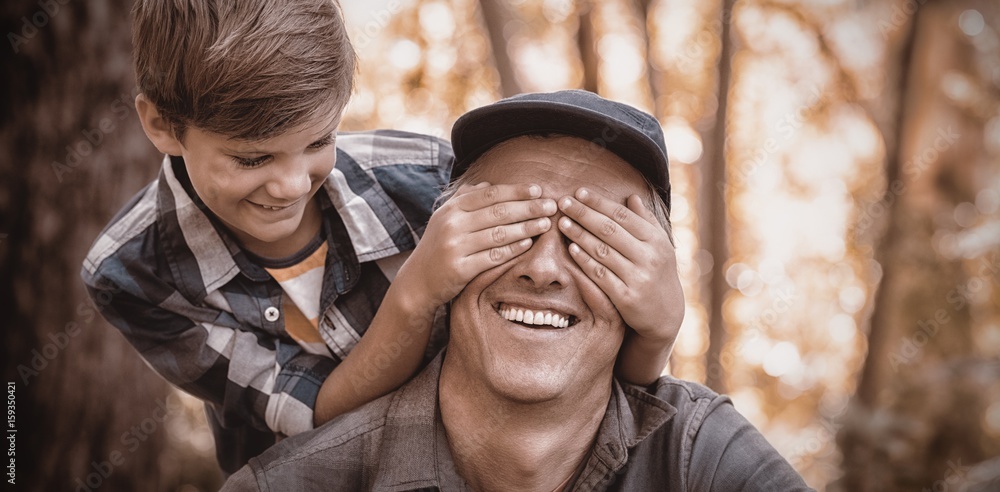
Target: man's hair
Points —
{"points": [[246, 69], [650, 197]]}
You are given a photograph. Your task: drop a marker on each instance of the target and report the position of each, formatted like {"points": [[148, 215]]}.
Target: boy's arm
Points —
{"points": [[642, 359], [388, 354], [480, 227], [626, 252]]}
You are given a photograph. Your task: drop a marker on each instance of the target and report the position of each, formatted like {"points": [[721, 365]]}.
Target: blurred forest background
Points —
{"points": [[836, 180]]}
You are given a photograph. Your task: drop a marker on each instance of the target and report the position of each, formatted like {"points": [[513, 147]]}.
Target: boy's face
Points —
{"points": [[261, 190]]}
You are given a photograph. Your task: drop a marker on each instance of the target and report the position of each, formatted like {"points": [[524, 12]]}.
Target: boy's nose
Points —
{"points": [[289, 182]]}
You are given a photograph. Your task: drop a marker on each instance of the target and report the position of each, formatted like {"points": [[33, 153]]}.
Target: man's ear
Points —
{"points": [[157, 128]]}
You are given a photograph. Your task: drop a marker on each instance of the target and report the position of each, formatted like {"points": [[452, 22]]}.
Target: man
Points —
{"points": [[517, 404]]}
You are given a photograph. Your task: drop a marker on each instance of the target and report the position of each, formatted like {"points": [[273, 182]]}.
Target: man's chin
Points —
{"points": [[528, 384]]}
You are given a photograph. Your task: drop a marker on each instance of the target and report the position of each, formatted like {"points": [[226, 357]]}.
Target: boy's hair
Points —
{"points": [[246, 69]]}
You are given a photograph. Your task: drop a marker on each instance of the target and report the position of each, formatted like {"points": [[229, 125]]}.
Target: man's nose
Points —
{"points": [[290, 181], [547, 264]]}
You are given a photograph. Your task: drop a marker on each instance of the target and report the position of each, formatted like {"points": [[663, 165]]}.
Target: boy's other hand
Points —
{"points": [[626, 252]]}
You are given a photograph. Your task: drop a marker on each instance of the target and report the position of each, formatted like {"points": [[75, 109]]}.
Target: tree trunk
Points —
{"points": [[587, 43], [712, 208], [920, 412], [496, 17], [84, 401]]}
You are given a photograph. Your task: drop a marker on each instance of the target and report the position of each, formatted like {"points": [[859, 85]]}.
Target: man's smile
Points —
{"points": [[536, 316]]}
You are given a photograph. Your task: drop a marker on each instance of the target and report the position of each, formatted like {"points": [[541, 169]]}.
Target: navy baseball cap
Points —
{"points": [[633, 135]]}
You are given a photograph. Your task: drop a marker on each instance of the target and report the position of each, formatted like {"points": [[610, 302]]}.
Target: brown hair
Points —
{"points": [[246, 69]]}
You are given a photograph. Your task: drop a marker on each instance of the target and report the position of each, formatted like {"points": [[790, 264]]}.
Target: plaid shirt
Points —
{"points": [[182, 291]]}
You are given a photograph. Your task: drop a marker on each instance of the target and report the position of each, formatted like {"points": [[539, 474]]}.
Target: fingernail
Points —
{"points": [[565, 203], [573, 248], [535, 191], [549, 207], [524, 243], [564, 223], [544, 223], [582, 194]]}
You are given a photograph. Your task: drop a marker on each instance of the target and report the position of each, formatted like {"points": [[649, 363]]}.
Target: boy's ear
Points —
{"points": [[156, 127]]}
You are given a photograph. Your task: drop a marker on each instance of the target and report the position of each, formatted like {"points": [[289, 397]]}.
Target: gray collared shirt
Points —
{"points": [[676, 436]]}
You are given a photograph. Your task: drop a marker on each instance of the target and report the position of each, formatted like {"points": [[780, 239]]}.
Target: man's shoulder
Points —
{"points": [[346, 446], [382, 148], [678, 391]]}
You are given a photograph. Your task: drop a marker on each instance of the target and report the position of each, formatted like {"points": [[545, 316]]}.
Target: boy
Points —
{"points": [[252, 273]]}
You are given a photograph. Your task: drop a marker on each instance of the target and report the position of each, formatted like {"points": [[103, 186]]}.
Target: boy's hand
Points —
{"points": [[478, 228], [626, 252]]}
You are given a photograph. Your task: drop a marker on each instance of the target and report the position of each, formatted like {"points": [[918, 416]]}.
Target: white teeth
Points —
{"points": [[538, 318]]}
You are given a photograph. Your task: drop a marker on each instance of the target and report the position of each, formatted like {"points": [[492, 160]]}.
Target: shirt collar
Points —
{"points": [[195, 241], [377, 227], [190, 239], [416, 452], [632, 415]]}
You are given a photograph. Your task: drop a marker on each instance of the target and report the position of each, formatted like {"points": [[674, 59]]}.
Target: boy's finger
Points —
{"points": [[620, 215], [595, 248], [502, 235], [484, 260], [510, 213], [636, 205], [497, 194], [598, 273], [601, 226]]}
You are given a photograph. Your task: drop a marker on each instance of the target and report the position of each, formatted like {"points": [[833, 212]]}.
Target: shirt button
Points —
{"points": [[271, 314]]}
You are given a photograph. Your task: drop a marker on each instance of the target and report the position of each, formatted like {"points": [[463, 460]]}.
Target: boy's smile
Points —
{"points": [[262, 190]]}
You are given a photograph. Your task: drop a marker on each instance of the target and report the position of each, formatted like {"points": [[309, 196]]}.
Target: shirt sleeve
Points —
{"points": [[252, 378], [415, 187], [242, 481], [730, 454]]}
